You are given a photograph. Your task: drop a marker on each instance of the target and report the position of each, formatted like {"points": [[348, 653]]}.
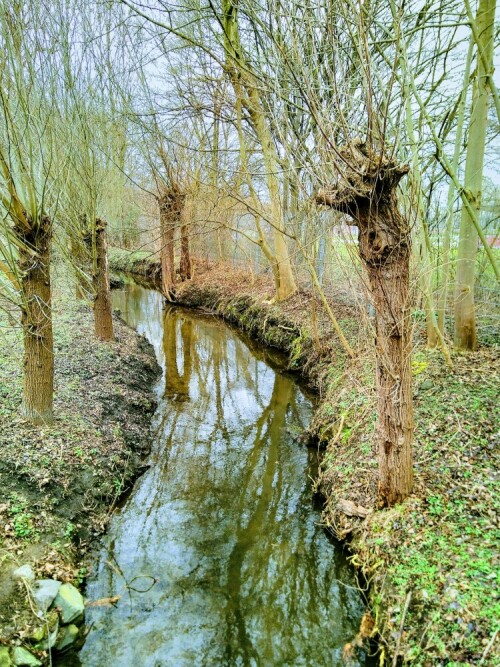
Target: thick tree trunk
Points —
{"points": [[36, 321], [465, 315], [366, 191], [103, 317], [385, 251]]}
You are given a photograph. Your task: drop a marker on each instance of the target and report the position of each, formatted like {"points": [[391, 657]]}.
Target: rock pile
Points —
{"points": [[60, 610]]}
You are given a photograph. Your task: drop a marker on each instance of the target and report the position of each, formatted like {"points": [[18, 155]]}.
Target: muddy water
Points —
{"points": [[217, 553]]}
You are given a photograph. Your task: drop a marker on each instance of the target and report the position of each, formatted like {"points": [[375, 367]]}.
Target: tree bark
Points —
{"points": [[366, 191], [36, 322], [465, 315], [103, 317], [185, 260], [170, 212], [385, 250]]}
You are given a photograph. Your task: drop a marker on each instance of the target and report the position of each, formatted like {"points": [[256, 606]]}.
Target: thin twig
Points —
{"points": [[489, 647], [405, 610]]}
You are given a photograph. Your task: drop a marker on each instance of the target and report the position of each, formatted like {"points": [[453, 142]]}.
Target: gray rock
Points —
{"points": [[70, 602], [44, 592], [24, 572], [24, 658], [4, 657], [67, 637]]}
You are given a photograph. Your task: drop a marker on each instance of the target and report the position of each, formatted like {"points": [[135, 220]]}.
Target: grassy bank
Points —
{"points": [[59, 483], [431, 563]]}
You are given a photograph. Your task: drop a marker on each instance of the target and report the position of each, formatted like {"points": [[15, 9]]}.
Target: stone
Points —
{"points": [[24, 572], [70, 602], [44, 592], [4, 657], [37, 634], [67, 637], [24, 658], [50, 632], [426, 385]]}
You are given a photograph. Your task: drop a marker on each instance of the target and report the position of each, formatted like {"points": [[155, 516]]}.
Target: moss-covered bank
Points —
{"points": [[60, 482], [431, 563]]}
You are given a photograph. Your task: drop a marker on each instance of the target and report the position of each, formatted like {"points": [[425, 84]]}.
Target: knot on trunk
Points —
{"points": [[364, 187]]}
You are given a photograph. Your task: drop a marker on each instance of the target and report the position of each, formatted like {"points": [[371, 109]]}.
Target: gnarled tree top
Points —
{"points": [[363, 176]]}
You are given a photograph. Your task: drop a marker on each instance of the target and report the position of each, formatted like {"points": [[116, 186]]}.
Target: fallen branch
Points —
{"points": [[350, 508]]}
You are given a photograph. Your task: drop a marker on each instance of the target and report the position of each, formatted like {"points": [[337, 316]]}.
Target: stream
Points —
{"points": [[217, 553]]}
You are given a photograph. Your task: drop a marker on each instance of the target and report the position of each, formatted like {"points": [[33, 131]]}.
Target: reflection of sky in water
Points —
{"points": [[222, 519]]}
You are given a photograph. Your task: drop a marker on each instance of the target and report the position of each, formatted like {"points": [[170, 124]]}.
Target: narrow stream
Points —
{"points": [[217, 553]]}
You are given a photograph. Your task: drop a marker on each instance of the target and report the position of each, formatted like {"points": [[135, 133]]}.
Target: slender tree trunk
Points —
{"points": [[465, 316], [103, 317], [185, 260], [78, 263], [243, 80], [167, 229], [446, 261], [36, 321]]}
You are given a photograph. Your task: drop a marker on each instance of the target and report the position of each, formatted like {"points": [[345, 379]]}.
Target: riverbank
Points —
{"points": [[430, 563], [59, 483]]}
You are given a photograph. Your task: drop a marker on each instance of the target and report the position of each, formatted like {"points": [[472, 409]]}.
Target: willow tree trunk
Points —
{"points": [[465, 316], [103, 317], [78, 257], [368, 194], [185, 260], [385, 243], [36, 322], [169, 215]]}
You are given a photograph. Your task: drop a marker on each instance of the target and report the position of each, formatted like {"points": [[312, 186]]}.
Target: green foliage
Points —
{"points": [[22, 517]]}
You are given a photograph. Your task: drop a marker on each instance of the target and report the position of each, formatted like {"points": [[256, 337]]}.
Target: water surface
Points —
{"points": [[217, 553]]}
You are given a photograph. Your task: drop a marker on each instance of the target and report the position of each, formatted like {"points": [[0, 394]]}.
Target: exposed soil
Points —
{"points": [[59, 483], [431, 563]]}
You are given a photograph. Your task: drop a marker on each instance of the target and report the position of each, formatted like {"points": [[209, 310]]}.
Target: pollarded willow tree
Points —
{"points": [[216, 34], [28, 125], [94, 98], [366, 190]]}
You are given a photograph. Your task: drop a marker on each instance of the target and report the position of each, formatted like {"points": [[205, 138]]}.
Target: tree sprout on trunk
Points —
{"points": [[366, 191]]}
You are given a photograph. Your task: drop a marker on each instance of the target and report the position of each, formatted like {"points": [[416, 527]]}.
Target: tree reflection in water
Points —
{"points": [[223, 518]]}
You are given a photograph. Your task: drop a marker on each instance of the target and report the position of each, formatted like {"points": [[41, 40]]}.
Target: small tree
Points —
{"points": [[27, 158]]}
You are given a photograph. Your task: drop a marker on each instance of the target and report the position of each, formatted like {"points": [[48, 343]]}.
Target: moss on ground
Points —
{"points": [[432, 563], [58, 483], [138, 262]]}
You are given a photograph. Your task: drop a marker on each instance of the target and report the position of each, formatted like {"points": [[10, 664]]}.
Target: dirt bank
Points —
{"points": [[59, 483], [431, 563]]}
